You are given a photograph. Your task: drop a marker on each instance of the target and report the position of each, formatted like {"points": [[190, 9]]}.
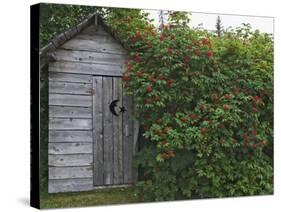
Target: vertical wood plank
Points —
{"points": [[128, 140], [135, 141], [117, 134], [107, 131], [98, 130], [121, 140]]}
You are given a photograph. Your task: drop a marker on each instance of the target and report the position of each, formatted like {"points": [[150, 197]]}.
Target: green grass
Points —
{"points": [[90, 198]]}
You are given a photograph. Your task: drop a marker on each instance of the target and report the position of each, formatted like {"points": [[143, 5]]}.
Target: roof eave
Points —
{"points": [[46, 52]]}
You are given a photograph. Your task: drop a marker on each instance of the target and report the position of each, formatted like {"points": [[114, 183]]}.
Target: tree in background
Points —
{"points": [[219, 27], [161, 18], [56, 18]]}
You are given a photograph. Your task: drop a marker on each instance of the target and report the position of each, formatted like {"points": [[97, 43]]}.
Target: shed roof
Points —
{"points": [[93, 19]]}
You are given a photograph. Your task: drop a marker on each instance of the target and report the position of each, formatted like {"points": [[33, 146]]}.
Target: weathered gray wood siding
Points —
{"points": [[70, 132], [88, 146]]}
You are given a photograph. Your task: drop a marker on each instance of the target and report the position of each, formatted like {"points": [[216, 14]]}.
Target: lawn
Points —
{"points": [[90, 198]]}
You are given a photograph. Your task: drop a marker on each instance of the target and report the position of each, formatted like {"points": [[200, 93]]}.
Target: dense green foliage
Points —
{"points": [[205, 103]]}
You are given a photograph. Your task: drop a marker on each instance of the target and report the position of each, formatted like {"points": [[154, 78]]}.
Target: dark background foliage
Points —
{"points": [[57, 18]]}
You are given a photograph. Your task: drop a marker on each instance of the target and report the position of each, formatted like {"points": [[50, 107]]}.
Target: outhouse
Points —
{"points": [[92, 133]]}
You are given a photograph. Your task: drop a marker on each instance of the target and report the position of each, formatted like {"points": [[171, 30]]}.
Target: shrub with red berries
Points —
{"points": [[205, 104]]}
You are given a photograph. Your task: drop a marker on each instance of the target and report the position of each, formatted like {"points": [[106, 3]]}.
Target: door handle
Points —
{"points": [[126, 130]]}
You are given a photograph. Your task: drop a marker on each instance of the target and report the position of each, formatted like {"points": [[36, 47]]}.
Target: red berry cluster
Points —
{"points": [[125, 77], [203, 130], [198, 50], [170, 50], [137, 57], [149, 89], [170, 82], [140, 74], [210, 54], [136, 37], [168, 154], [250, 140], [256, 100], [129, 66], [161, 37]]}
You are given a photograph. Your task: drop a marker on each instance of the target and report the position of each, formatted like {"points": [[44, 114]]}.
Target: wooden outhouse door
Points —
{"points": [[112, 133]]}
